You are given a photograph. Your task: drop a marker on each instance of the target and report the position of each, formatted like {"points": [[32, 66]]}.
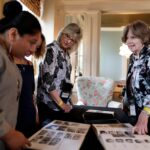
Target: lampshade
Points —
{"points": [[125, 51]]}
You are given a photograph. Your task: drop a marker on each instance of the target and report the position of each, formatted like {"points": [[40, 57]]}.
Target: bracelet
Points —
{"points": [[60, 103], [145, 113], [147, 110]]}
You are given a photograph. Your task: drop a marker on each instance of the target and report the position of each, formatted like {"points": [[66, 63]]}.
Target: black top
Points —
{"points": [[26, 121]]}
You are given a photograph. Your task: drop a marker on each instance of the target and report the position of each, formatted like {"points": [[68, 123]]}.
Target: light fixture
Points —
{"points": [[125, 51]]}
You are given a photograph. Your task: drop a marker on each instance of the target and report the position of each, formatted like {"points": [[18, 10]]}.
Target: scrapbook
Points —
{"points": [[120, 137], [59, 135]]}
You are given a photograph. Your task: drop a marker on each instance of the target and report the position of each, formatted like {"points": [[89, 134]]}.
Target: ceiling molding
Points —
{"points": [[108, 6], [114, 13]]}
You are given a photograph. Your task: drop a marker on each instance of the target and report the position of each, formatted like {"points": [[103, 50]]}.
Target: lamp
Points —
{"points": [[125, 51]]}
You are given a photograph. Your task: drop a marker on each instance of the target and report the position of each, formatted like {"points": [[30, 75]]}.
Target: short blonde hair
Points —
{"points": [[72, 30]]}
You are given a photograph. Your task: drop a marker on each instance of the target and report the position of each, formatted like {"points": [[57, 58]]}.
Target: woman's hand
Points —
{"points": [[66, 107], [141, 125], [15, 140], [55, 96]]}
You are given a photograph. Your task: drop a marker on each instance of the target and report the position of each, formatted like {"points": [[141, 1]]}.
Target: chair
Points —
{"points": [[94, 91]]}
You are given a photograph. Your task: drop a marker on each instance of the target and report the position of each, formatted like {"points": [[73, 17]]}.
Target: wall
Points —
{"points": [[1, 7], [111, 63], [47, 20], [102, 7]]}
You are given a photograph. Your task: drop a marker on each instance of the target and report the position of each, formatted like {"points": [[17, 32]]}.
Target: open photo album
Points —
{"points": [[120, 137], [59, 135]]}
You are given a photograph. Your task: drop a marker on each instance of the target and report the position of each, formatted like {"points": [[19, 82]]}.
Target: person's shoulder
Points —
{"points": [[3, 53], [51, 44], [131, 57], [148, 51], [3, 59], [53, 48]]}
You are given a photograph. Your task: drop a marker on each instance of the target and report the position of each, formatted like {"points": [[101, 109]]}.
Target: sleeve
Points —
{"points": [[2, 64], [4, 126], [146, 99], [49, 69]]}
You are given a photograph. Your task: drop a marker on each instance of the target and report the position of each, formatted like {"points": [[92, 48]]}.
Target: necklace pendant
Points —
{"points": [[23, 68]]}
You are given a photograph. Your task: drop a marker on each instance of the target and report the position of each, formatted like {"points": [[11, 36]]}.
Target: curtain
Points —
{"points": [[33, 5]]}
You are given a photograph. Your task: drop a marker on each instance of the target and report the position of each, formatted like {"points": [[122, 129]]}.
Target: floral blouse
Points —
{"points": [[138, 78], [55, 69]]}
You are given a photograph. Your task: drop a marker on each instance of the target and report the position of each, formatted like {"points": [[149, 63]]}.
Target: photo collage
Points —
{"points": [[120, 136], [60, 135]]}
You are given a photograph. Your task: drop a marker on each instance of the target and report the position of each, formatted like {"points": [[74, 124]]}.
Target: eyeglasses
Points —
{"points": [[70, 38]]}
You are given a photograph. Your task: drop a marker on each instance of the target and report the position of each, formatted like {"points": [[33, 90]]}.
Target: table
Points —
{"points": [[91, 141], [79, 110], [117, 94]]}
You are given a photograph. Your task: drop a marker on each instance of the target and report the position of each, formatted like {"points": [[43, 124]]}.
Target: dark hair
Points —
{"points": [[23, 21], [11, 9], [40, 50], [139, 29]]}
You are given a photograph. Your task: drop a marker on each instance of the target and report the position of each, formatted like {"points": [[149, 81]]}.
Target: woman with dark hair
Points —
{"points": [[54, 75], [18, 36], [27, 113], [40, 51], [137, 93]]}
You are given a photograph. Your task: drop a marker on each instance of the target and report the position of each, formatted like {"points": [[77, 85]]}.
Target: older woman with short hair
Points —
{"points": [[137, 95], [55, 72]]}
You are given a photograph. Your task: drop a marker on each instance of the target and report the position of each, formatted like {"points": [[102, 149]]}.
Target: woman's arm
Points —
{"points": [[15, 140], [50, 72], [55, 96], [141, 125]]}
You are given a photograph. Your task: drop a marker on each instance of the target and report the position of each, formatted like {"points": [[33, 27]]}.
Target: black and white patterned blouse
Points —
{"points": [[55, 69], [138, 78]]}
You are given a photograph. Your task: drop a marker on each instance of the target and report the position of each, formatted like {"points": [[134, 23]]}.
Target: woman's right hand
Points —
{"points": [[141, 125], [66, 107], [15, 140]]}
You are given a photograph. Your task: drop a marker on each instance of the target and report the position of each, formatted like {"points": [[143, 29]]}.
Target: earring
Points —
{"points": [[10, 49]]}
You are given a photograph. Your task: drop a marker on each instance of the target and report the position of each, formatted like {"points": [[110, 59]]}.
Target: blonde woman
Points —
{"points": [[55, 73]]}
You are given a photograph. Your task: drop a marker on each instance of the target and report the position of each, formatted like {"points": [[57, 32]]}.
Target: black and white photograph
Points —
{"points": [[119, 140], [138, 141], [71, 129], [76, 137], [42, 132], [45, 140], [129, 140], [68, 136], [53, 126], [62, 128], [109, 140], [60, 135], [55, 141], [81, 130], [102, 132], [58, 122]]}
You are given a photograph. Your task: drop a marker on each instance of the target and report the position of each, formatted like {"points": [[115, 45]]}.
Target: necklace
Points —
{"points": [[22, 63], [23, 68]]}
